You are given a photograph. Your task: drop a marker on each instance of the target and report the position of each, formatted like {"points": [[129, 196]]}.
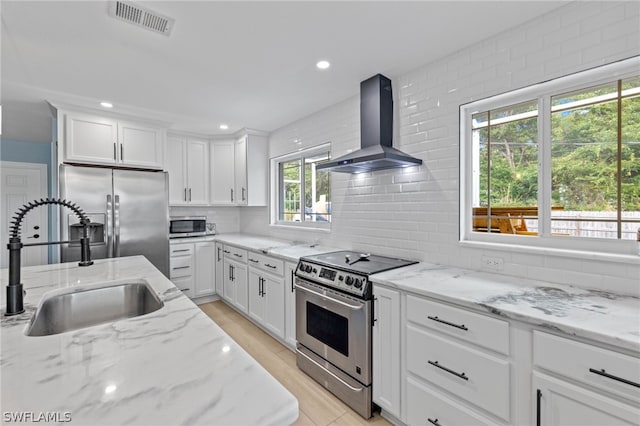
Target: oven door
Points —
{"points": [[336, 327]]}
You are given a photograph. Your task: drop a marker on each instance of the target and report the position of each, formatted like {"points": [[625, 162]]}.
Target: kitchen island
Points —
{"points": [[172, 366]]}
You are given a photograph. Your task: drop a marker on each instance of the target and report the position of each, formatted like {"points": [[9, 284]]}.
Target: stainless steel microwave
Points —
{"points": [[187, 226]]}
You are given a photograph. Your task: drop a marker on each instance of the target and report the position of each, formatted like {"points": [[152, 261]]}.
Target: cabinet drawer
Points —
{"points": [[266, 263], [473, 375], [602, 368], [235, 253], [426, 406], [180, 250], [479, 329], [181, 267]]}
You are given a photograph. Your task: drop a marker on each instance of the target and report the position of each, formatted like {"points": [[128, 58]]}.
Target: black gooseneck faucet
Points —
{"points": [[15, 293]]}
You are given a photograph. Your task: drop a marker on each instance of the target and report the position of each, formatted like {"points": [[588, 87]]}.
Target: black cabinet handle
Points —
{"points": [[433, 422], [253, 260], [603, 373], [292, 288], [461, 327], [538, 398], [181, 250], [227, 251], [455, 373], [237, 255], [219, 254], [270, 266], [181, 267]]}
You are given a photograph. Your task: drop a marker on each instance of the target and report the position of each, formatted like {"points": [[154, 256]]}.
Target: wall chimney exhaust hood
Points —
{"points": [[376, 133]]}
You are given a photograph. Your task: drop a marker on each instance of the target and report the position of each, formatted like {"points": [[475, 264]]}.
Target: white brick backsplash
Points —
{"points": [[414, 213]]}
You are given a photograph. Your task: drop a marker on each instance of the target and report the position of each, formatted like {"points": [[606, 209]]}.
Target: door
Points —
{"points": [[90, 188], [241, 171], [242, 289], [90, 139], [386, 349], [559, 403], [229, 293], [205, 269], [273, 294], [174, 164], [21, 183], [140, 145], [290, 304], [222, 162], [141, 216], [197, 172], [219, 270], [256, 299]]}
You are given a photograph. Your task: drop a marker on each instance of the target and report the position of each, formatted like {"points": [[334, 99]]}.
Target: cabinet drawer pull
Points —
{"points": [[253, 260], [237, 255], [121, 152], [114, 152], [181, 267], [461, 327], [433, 422], [538, 398], [603, 373], [181, 250], [270, 266], [185, 289], [455, 373], [227, 251]]}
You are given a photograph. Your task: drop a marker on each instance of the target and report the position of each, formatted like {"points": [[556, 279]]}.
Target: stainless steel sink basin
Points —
{"points": [[72, 309]]}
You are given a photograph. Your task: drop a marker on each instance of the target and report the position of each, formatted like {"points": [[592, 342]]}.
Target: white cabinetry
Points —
{"points": [[266, 292], [611, 383], [290, 304], [188, 167], [219, 269], [235, 277], [239, 171], [192, 267], [222, 174], [386, 350], [92, 139]]}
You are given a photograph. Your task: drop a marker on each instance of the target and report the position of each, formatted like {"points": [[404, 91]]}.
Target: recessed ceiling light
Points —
{"points": [[223, 127], [323, 65], [106, 104]]}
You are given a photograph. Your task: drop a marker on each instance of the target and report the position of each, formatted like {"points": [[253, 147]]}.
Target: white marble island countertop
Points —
{"points": [[173, 366], [593, 314]]}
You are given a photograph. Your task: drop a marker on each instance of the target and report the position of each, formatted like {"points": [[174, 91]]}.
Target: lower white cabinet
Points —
{"points": [[266, 292], [560, 403], [386, 350], [192, 268], [235, 282], [219, 269], [290, 304]]}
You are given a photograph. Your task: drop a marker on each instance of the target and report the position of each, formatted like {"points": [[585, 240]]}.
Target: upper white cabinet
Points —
{"points": [[239, 171], [92, 139], [188, 167], [222, 172]]}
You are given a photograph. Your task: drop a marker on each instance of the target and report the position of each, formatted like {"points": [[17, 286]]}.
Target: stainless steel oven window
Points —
{"points": [[328, 327]]}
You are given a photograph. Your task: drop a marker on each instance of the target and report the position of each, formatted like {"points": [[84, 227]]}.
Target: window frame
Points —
{"points": [[301, 154], [542, 92]]}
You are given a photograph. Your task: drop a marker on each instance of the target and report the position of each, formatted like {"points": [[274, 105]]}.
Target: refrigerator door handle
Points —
{"points": [[109, 226], [116, 225]]}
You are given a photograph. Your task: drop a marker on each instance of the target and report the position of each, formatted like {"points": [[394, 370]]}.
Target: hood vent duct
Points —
{"points": [[376, 133], [141, 16]]}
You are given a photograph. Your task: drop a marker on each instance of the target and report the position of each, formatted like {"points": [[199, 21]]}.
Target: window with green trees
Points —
{"points": [[558, 160], [304, 193]]}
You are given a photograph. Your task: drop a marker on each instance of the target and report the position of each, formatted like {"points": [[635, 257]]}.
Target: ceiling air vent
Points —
{"points": [[141, 16]]}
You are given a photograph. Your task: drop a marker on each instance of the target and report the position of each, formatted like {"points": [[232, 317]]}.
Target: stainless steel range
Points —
{"points": [[334, 316]]}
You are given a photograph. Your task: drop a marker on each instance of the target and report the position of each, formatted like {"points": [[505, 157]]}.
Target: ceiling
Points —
{"points": [[246, 64]]}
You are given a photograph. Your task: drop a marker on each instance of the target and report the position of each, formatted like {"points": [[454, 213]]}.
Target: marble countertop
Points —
{"points": [[593, 314], [287, 250], [173, 366]]}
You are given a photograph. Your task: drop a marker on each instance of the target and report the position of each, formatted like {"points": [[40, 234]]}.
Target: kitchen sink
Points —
{"points": [[72, 309]]}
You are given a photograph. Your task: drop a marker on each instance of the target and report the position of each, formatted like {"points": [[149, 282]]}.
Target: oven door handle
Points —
{"points": [[330, 373], [331, 299]]}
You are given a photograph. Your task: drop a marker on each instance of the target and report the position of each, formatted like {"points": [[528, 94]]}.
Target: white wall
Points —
{"points": [[414, 213]]}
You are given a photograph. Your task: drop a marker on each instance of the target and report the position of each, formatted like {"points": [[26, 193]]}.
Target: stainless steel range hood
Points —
{"points": [[376, 133]]}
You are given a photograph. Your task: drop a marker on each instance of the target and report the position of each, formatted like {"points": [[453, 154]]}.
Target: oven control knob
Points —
{"points": [[349, 280], [358, 284], [315, 270], [340, 278], [307, 268]]}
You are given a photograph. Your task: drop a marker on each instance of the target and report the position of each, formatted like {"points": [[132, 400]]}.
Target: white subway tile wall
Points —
{"points": [[226, 218], [413, 213]]}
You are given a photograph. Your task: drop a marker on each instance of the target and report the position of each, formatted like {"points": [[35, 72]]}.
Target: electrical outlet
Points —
{"points": [[492, 262]]}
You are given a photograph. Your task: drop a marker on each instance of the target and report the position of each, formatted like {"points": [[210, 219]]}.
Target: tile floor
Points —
{"points": [[317, 406]]}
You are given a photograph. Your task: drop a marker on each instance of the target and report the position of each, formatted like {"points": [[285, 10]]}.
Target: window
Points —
{"points": [[556, 164], [303, 194]]}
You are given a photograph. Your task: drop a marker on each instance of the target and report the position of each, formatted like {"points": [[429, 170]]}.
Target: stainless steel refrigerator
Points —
{"points": [[128, 209]]}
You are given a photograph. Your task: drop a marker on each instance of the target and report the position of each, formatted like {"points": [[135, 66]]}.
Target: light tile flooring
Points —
{"points": [[317, 406]]}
